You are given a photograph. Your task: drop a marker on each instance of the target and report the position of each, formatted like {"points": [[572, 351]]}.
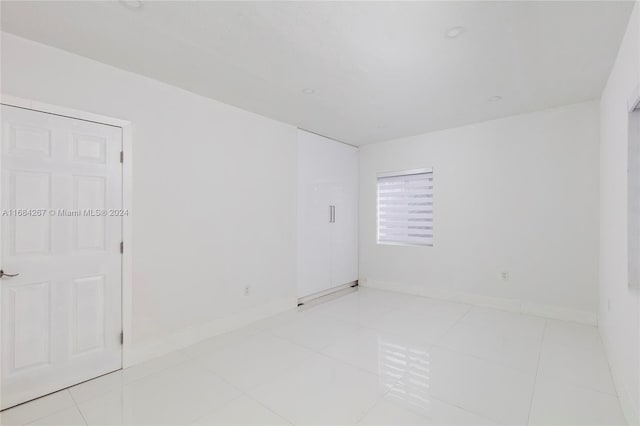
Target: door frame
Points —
{"points": [[127, 196]]}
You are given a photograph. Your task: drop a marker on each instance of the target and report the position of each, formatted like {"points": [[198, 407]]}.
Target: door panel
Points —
{"points": [[88, 325], [344, 230], [89, 192], [29, 308], [89, 148], [29, 190], [61, 316], [314, 238], [29, 140]]}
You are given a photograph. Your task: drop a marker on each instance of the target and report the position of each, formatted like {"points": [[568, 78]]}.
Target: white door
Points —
{"points": [[314, 216], [61, 316], [327, 214], [344, 229]]}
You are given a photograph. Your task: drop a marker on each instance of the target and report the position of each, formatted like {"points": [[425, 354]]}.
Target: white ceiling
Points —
{"points": [[380, 70]]}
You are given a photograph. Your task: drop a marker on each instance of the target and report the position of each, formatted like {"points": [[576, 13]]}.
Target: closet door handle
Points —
{"points": [[330, 214], [3, 274], [334, 214]]}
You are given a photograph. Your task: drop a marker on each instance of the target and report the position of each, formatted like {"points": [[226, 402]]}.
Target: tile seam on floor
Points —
{"points": [[456, 405], [277, 413], [318, 350], [165, 368], [192, 355], [460, 407], [578, 386], [78, 408], [245, 393], [47, 415], [535, 379], [455, 323], [123, 383], [268, 381], [606, 357], [265, 333], [481, 415], [443, 401], [241, 392], [368, 410], [505, 366], [387, 389], [480, 358], [582, 385], [133, 382], [215, 409], [355, 322], [270, 409], [326, 357], [350, 364], [199, 365], [455, 351]]}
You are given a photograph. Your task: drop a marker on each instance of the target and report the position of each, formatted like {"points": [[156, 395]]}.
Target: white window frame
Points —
{"points": [[394, 174]]}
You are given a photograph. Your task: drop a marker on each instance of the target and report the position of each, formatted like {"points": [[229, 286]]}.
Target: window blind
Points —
{"points": [[405, 207]]}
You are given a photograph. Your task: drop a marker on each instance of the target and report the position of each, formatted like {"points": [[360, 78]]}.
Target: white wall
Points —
{"points": [[518, 194], [619, 305], [214, 194]]}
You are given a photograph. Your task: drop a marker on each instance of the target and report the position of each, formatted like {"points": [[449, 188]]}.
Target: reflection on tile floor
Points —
{"points": [[370, 357]]}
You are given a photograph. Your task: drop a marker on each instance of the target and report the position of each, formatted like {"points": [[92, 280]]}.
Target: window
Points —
{"points": [[405, 207]]}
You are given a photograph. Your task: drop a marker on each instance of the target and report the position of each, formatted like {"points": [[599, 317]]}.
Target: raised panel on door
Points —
{"points": [[61, 316], [28, 308], [88, 148], [88, 310], [28, 234], [29, 140], [89, 195]]}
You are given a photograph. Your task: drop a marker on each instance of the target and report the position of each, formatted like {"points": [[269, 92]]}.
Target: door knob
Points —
{"points": [[2, 274]]}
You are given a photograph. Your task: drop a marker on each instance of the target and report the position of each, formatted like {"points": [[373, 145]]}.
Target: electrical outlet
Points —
{"points": [[504, 275], [247, 290]]}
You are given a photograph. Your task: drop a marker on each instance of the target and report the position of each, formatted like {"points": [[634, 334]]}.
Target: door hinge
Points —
{"points": [[122, 338], [121, 246], [122, 156]]}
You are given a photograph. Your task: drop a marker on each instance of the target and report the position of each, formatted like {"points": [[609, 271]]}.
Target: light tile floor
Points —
{"points": [[370, 357]]}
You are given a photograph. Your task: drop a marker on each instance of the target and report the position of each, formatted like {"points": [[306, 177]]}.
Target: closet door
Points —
{"points": [[344, 229], [327, 214], [314, 215]]}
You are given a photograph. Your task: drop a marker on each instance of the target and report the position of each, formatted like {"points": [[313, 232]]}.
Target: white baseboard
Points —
{"points": [[511, 305], [146, 350]]}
